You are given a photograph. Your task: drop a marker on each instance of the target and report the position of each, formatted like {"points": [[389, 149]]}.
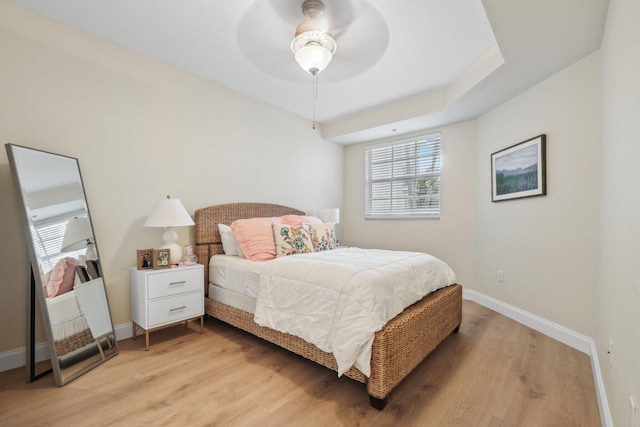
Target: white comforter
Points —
{"points": [[338, 299]]}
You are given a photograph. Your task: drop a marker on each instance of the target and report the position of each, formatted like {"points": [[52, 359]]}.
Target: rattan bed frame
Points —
{"points": [[397, 349]]}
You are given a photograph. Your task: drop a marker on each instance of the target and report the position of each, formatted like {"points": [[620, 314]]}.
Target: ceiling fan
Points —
{"points": [[351, 34]]}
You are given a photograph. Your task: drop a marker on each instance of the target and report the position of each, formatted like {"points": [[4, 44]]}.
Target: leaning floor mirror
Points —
{"points": [[67, 277]]}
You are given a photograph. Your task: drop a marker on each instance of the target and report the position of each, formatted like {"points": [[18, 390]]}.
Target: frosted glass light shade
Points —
{"points": [[313, 58]]}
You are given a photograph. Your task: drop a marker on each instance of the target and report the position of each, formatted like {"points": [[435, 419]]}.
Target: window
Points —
{"points": [[47, 241], [402, 178]]}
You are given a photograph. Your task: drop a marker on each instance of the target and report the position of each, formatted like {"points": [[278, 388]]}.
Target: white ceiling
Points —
{"points": [[401, 65]]}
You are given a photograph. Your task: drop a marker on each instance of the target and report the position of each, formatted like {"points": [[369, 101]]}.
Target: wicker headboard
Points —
{"points": [[207, 236]]}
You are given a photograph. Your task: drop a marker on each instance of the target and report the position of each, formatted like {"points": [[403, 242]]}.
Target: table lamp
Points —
{"points": [[78, 235], [170, 213], [329, 215]]}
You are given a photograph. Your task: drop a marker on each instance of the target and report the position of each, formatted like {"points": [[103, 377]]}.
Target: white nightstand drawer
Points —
{"points": [[175, 282], [174, 309]]}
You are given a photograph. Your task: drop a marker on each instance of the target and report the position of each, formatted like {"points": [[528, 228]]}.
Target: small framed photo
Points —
{"points": [[161, 259], [520, 170], [145, 259]]}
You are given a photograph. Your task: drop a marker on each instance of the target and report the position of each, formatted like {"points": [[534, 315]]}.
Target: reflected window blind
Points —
{"points": [[47, 241], [402, 178]]}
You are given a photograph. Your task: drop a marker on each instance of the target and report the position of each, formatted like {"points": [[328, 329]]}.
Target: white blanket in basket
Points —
{"points": [[338, 299]]}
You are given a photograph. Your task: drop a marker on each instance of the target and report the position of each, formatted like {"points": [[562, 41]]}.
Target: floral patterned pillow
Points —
{"points": [[292, 239], [323, 236]]}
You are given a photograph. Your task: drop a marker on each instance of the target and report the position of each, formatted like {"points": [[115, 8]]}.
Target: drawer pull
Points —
{"points": [[178, 283], [177, 308]]}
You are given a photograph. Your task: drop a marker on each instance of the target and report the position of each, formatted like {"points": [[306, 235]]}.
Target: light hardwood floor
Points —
{"points": [[494, 372]]}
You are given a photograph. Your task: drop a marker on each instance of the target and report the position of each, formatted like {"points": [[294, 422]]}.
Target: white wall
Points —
{"points": [[140, 130], [450, 237], [617, 308], [546, 245]]}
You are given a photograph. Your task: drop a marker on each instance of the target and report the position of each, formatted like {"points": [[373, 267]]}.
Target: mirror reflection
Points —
{"points": [[67, 274]]}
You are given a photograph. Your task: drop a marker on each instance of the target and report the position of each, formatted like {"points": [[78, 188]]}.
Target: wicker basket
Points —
{"points": [[73, 342]]}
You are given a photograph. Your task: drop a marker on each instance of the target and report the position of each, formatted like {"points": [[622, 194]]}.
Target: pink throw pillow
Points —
{"points": [[62, 277], [255, 237], [300, 219]]}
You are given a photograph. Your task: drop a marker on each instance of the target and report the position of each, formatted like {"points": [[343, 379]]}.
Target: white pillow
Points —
{"points": [[229, 243], [323, 236]]}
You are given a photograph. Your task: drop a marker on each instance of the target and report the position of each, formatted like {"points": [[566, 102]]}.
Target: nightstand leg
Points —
{"points": [[146, 346], [202, 324], [135, 330]]}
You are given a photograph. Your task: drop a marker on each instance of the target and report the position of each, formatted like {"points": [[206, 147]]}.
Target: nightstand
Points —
{"points": [[162, 298]]}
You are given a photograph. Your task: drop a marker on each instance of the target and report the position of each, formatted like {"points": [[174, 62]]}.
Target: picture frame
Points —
{"points": [[161, 259], [520, 170], [145, 259]]}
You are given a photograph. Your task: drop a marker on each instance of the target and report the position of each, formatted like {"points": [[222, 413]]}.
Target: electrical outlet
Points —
{"points": [[632, 412], [500, 276], [610, 353]]}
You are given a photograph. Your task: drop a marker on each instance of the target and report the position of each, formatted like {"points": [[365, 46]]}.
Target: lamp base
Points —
{"points": [[91, 252], [169, 237], [175, 252]]}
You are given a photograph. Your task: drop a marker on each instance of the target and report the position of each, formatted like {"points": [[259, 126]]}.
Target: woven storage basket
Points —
{"points": [[73, 342]]}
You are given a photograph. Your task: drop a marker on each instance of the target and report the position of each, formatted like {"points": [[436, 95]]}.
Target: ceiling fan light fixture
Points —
{"points": [[313, 46], [313, 57]]}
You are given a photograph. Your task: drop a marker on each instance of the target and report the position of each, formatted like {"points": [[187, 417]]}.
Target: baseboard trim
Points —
{"points": [[16, 358], [603, 402], [13, 359], [571, 338], [566, 336], [123, 331]]}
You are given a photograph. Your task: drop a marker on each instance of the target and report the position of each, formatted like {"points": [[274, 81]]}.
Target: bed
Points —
{"points": [[397, 348]]}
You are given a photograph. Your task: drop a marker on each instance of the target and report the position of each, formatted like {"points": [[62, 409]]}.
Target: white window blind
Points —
{"points": [[47, 241], [402, 178]]}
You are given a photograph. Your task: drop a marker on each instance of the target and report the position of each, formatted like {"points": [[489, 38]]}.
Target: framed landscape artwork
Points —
{"points": [[519, 171]]}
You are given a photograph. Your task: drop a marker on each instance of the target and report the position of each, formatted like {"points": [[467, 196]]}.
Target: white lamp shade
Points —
{"points": [[329, 215], [313, 56], [169, 213], [77, 234]]}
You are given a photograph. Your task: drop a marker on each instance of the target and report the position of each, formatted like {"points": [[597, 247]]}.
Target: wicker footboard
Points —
{"points": [[397, 349]]}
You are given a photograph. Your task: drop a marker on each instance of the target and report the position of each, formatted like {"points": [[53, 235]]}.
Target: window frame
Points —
{"points": [[406, 180]]}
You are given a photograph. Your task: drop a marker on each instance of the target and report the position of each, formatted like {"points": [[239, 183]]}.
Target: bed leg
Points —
{"points": [[377, 403]]}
